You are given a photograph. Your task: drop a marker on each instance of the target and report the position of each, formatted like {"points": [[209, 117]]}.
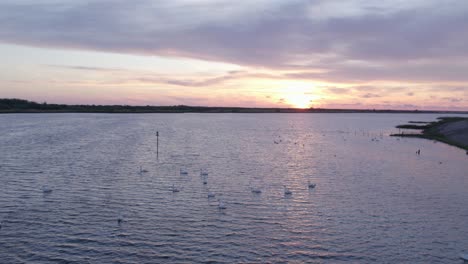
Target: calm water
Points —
{"points": [[376, 201]]}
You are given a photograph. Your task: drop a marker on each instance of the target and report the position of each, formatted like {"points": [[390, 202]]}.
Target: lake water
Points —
{"points": [[376, 201]]}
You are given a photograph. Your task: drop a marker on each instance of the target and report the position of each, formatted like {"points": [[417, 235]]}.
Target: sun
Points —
{"points": [[297, 94], [294, 94], [301, 101]]}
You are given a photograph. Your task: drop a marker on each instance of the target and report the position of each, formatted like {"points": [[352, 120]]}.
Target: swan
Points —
{"points": [[46, 189], [256, 190], [464, 257], [142, 170], [183, 172], [211, 195], [205, 181], [204, 175], [174, 189], [221, 205], [287, 191], [311, 185]]}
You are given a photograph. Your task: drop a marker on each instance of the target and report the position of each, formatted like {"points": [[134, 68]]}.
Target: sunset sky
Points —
{"points": [[398, 54]]}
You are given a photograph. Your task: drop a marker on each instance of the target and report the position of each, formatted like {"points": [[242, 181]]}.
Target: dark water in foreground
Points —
{"points": [[375, 200]]}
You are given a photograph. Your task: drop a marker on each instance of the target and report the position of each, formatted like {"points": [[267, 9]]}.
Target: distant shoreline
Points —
{"points": [[449, 130], [15, 106]]}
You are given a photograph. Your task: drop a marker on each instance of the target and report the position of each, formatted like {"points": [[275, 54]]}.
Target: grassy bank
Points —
{"points": [[432, 131]]}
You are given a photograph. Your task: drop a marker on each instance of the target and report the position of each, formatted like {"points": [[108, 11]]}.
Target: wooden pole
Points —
{"points": [[157, 144]]}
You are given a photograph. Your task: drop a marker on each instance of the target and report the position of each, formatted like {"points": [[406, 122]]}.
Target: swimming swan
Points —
{"points": [[46, 189], [174, 189], [142, 170], [221, 205], [256, 190]]}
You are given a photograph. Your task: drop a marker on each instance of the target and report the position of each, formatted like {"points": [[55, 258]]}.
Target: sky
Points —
{"points": [[360, 54]]}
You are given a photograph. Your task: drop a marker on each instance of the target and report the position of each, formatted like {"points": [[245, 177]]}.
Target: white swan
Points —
{"points": [[287, 191], [174, 189], [46, 189], [183, 172], [464, 257], [221, 205]]}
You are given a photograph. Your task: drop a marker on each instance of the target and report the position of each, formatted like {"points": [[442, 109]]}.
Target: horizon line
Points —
{"points": [[291, 109]]}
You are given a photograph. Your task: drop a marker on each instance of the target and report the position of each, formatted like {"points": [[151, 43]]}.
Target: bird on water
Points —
{"points": [[256, 190], [46, 189], [221, 205], [174, 189], [142, 170], [311, 185], [464, 257]]}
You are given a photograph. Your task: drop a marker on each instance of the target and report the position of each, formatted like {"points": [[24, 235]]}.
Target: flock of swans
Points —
{"points": [[204, 177], [210, 195], [174, 189]]}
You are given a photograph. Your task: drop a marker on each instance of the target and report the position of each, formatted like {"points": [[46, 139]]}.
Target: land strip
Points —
{"points": [[450, 130], [24, 106]]}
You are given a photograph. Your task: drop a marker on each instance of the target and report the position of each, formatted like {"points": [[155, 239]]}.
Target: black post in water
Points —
{"points": [[157, 144]]}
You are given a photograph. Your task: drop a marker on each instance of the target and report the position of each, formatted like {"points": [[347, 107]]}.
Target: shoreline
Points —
{"points": [[280, 111], [449, 130], [16, 106]]}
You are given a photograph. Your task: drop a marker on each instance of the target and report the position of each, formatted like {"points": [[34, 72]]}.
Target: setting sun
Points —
{"points": [[298, 94], [299, 100]]}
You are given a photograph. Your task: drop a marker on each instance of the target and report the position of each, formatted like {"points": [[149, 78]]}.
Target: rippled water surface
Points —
{"points": [[376, 201]]}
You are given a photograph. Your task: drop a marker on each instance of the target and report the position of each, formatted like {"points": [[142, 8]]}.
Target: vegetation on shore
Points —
{"points": [[432, 131], [409, 126], [419, 122], [24, 106]]}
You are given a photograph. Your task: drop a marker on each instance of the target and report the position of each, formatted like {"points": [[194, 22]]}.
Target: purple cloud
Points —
{"points": [[356, 41]]}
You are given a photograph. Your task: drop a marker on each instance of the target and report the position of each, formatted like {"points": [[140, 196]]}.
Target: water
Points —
{"points": [[376, 201]]}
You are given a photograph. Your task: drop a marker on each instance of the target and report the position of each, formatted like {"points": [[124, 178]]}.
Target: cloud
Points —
{"points": [[209, 81], [87, 68], [265, 33], [452, 99], [148, 77], [428, 71], [365, 88], [335, 90], [370, 95], [187, 82], [355, 42]]}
